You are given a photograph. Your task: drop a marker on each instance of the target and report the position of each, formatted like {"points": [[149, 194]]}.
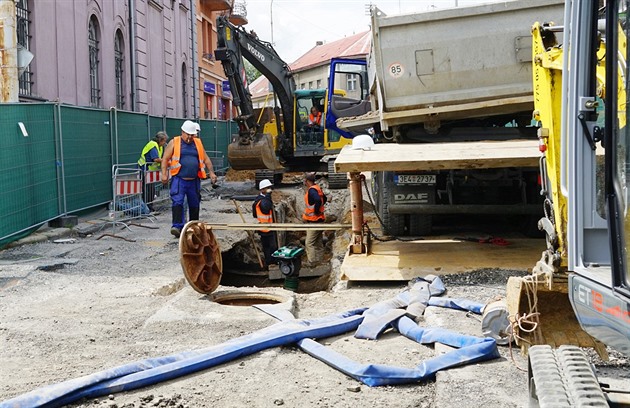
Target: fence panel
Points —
{"points": [[29, 182], [132, 134], [64, 165], [157, 123], [87, 157], [174, 127]]}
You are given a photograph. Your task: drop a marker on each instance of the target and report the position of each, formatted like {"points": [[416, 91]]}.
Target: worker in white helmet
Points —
{"points": [[187, 161], [262, 209]]}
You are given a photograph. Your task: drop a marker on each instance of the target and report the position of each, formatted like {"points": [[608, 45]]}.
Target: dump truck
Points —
{"points": [[292, 145], [452, 90]]}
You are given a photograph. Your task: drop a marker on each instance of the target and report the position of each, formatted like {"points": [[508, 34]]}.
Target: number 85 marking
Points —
{"points": [[396, 70]]}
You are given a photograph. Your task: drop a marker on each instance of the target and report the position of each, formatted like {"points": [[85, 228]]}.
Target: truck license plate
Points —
{"points": [[414, 179]]}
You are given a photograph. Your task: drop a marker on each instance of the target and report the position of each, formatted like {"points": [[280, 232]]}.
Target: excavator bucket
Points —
{"points": [[541, 313], [256, 154]]}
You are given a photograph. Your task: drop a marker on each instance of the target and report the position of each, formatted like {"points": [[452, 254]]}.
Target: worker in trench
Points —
{"points": [[314, 202], [262, 209]]}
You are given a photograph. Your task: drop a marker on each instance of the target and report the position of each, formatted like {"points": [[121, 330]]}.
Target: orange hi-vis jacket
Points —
{"points": [[263, 218], [174, 162], [309, 210], [315, 120]]}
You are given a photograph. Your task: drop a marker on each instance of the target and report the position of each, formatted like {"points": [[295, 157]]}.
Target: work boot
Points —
{"points": [[175, 231], [194, 213]]}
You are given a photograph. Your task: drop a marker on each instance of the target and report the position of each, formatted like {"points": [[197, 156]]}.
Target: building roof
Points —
{"points": [[259, 87], [357, 45]]}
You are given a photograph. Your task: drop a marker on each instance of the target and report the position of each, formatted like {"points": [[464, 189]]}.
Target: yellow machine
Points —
{"points": [[539, 304], [293, 143]]}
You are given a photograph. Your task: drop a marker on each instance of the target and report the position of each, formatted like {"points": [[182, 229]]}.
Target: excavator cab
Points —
{"points": [[309, 137]]}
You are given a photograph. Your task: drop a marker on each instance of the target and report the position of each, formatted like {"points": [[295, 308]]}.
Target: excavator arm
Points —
{"points": [[254, 150]]}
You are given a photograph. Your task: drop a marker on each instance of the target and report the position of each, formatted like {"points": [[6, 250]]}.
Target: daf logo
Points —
{"points": [[256, 53], [420, 198]]}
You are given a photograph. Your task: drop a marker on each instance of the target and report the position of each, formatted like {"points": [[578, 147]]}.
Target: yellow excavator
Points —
{"points": [[293, 145], [579, 292]]}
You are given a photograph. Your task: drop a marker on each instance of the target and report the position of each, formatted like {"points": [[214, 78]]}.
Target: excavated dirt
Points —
{"points": [[75, 308]]}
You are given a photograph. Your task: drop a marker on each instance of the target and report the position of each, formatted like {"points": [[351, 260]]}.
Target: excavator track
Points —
{"points": [[562, 377]]}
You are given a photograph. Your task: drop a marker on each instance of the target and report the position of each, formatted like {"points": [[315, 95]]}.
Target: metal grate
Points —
{"points": [[119, 61], [95, 90], [23, 39]]}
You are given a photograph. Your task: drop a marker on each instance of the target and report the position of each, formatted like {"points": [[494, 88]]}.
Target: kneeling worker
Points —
{"points": [[262, 209]]}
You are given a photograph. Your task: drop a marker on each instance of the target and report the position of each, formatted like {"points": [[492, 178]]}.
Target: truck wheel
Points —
{"points": [[393, 224], [336, 181], [420, 224]]}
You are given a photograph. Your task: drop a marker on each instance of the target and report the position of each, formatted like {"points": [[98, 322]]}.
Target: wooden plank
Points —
{"points": [[395, 260], [439, 156], [278, 226]]}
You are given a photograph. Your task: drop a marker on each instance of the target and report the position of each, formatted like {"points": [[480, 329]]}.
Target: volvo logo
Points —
{"points": [[256, 53]]}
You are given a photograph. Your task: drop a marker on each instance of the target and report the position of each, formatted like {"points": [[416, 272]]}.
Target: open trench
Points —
{"points": [[241, 267]]}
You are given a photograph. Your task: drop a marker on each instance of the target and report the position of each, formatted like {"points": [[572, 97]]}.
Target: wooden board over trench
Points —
{"points": [[439, 156], [397, 260]]}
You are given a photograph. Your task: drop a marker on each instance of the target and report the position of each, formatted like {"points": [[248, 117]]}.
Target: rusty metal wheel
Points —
{"points": [[200, 257]]}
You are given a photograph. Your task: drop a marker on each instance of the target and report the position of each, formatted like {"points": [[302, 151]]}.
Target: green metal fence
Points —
{"points": [[58, 158]]}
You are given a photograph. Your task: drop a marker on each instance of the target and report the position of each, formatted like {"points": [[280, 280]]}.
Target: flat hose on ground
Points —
{"points": [[371, 322]]}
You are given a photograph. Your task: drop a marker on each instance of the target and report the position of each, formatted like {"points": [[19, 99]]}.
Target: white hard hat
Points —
{"points": [[264, 184], [189, 127], [198, 127], [363, 142]]}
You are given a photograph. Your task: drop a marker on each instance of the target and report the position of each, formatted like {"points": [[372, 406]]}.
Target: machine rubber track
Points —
{"points": [[562, 378]]}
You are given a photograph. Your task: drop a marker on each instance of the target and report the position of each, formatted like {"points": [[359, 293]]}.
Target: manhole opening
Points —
{"points": [[246, 299]]}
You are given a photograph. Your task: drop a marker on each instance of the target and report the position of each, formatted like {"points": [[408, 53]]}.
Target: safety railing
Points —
{"points": [[219, 164], [155, 193], [127, 203]]}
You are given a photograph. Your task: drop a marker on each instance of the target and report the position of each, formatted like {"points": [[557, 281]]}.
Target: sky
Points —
{"points": [[298, 24]]}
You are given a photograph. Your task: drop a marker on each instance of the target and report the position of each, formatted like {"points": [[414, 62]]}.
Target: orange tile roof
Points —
{"points": [[357, 45], [259, 87]]}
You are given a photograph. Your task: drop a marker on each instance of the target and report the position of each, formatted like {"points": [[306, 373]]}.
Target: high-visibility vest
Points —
{"points": [[315, 120], [175, 165], [262, 217], [309, 210], [147, 148]]}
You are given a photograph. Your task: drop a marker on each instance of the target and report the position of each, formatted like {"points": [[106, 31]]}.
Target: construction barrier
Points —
{"points": [[127, 191], [155, 193]]}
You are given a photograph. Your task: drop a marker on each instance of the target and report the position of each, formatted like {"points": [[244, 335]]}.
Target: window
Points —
{"points": [[206, 33], [351, 82], [319, 84], [310, 84], [119, 69], [93, 37], [23, 39], [302, 85], [184, 92]]}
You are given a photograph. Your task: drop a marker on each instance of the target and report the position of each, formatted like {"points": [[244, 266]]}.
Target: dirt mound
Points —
{"points": [[240, 175]]}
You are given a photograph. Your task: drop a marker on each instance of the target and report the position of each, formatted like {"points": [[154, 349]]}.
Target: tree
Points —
{"points": [[250, 72]]}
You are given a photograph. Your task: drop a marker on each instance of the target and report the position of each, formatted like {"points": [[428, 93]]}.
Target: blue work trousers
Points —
{"points": [[185, 189]]}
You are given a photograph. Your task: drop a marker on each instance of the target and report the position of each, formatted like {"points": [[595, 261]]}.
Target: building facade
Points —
{"points": [[215, 101], [135, 55]]}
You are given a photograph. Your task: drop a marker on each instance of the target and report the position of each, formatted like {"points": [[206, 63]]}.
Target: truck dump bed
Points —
{"points": [[454, 63]]}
